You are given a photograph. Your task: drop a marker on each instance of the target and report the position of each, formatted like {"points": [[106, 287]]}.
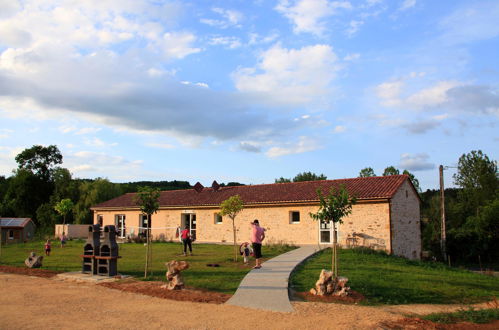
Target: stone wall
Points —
{"points": [[368, 225], [405, 218]]}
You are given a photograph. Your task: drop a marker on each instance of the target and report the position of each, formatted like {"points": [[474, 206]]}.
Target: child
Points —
{"points": [[245, 251], [63, 239], [47, 248]]}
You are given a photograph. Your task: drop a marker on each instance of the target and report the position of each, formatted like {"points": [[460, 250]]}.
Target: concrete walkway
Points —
{"points": [[267, 288]]}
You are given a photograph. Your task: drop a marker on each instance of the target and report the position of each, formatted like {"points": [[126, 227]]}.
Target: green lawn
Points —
{"points": [[471, 315], [225, 278], [384, 279]]}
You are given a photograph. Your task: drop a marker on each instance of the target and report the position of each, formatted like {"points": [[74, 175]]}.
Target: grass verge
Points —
{"points": [[385, 279], [470, 315]]}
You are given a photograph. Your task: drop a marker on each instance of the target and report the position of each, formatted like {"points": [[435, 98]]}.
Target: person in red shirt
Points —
{"points": [[257, 236], [47, 247], [185, 235]]}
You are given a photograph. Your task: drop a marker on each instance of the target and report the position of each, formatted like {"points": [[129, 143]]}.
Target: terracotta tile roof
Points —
{"points": [[363, 188]]}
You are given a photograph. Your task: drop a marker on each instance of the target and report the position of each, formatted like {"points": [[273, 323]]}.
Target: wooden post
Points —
{"points": [[442, 214]]}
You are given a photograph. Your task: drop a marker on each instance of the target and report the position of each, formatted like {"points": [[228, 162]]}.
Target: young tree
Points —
{"points": [[148, 200], [366, 172], [332, 209], [391, 170], [231, 207], [308, 176], [63, 208]]}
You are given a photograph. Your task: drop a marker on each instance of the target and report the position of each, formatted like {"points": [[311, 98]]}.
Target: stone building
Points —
{"points": [[386, 215]]}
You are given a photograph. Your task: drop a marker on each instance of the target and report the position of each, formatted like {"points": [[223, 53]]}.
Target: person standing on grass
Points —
{"points": [[47, 247], [186, 240], [257, 236], [63, 239]]}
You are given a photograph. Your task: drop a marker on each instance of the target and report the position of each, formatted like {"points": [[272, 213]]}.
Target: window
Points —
{"points": [[294, 217], [143, 223], [11, 234], [218, 218], [100, 220]]}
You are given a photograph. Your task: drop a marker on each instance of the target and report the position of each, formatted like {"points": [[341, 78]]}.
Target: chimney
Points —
{"points": [[198, 187], [215, 185]]}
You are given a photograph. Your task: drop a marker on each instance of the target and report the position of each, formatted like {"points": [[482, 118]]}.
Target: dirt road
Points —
{"points": [[29, 302]]}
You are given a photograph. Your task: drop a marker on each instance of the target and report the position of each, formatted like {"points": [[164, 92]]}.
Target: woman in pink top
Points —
{"points": [[257, 236]]}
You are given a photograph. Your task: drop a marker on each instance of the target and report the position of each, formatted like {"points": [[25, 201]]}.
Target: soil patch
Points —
{"points": [[417, 323], [29, 271], [154, 289], [151, 288], [354, 298]]}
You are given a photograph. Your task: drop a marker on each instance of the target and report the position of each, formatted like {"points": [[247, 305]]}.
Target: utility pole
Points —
{"points": [[442, 214]]}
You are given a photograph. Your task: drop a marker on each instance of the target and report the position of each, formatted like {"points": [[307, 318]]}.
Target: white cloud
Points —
{"points": [[309, 15], [161, 145], [291, 76], [96, 164], [98, 143], [415, 162], [230, 42], [407, 4], [230, 18], [391, 94], [178, 44], [351, 57], [304, 144], [472, 22], [339, 129], [353, 27]]}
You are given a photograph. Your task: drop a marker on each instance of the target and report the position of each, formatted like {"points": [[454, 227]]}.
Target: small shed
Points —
{"points": [[16, 230]]}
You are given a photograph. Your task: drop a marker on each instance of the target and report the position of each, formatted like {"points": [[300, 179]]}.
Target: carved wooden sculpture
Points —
{"points": [[173, 275]]}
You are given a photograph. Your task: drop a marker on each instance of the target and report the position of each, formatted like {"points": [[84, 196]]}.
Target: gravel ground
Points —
{"points": [[33, 302]]}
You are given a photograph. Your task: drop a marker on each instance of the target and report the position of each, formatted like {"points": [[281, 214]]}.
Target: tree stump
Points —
{"points": [[33, 261], [173, 275], [327, 285]]}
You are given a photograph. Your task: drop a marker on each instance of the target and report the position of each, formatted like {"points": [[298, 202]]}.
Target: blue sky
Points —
{"points": [[249, 91]]}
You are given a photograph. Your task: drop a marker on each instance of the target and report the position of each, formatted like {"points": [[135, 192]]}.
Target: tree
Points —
{"points": [[231, 207], [391, 170], [63, 208], [148, 200], [40, 160], [366, 172], [333, 208], [415, 182], [478, 177], [282, 180], [92, 193], [25, 193], [308, 176]]}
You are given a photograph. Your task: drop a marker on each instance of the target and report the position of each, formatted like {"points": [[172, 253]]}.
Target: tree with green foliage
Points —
{"points": [[366, 172], [231, 207], [308, 176], [25, 193], [478, 177], [63, 208], [92, 193], [391, 170], [415, 182], [474, 219], [282, 180], [148, 200], [332, 209], [40, 160]]}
